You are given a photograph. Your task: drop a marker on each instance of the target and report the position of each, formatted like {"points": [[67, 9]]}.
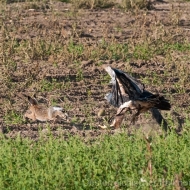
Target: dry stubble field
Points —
{"points": [[57, 51]]}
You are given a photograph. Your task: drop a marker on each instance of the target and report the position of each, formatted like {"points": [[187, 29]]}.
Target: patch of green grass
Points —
{"points": [[136, 4], [109, 49], [118, 51], [13, 117], [75, 50], [142, 51], [176, 46], [146, 50], [49, 86], [41, 49], [127, 4], [79, 75], [105, 79], [180, 46], [92, 3], [110, 162]]}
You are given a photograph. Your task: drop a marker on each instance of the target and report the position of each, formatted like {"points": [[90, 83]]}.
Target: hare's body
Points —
{"points": [[43, 113]]}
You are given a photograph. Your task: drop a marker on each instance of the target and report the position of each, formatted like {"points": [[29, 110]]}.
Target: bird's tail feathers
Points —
{"points": [[162, 103], [157, 101]]}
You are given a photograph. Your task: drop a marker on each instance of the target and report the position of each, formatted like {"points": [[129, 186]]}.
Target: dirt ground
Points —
{"points": [[83, 99]]}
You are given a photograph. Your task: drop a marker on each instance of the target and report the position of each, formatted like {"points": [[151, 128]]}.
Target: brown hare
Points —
{"points": [[42, 113]]}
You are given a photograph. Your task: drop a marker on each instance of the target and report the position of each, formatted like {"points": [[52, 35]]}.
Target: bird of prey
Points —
{"points": [[129, 94]]}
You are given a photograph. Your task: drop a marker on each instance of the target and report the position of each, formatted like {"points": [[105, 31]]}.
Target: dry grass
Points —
{"points": [[126, 4]]}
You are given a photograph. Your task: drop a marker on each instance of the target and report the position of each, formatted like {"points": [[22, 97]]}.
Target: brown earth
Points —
{"points": [[82, 95]]}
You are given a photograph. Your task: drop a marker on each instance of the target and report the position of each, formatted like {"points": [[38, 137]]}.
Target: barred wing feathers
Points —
{"points": [[124, 87]]}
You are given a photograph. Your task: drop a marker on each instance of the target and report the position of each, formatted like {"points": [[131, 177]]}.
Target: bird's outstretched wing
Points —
{"points": [[124, 87]]}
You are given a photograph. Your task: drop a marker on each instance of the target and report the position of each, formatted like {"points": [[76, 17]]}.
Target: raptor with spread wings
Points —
{"points": [[129, 94]]}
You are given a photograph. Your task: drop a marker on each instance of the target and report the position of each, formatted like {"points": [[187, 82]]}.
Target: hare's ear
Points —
{"points": [[32, 101]]}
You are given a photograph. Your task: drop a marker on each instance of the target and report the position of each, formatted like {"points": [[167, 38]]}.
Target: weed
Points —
{"points": [[79, 75], [118, 51], [50, 85], [92, 3], [136, 4], [142, 52], [106, 162], [12, 117], [75, 50]]}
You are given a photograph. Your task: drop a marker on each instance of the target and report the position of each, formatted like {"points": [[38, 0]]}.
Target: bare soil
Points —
{"points": [[83, 99]]}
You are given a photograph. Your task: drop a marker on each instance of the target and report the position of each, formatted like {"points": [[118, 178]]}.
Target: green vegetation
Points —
{"points": [[110, 162], [50, 85], [13, 117], [127, 4]]}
